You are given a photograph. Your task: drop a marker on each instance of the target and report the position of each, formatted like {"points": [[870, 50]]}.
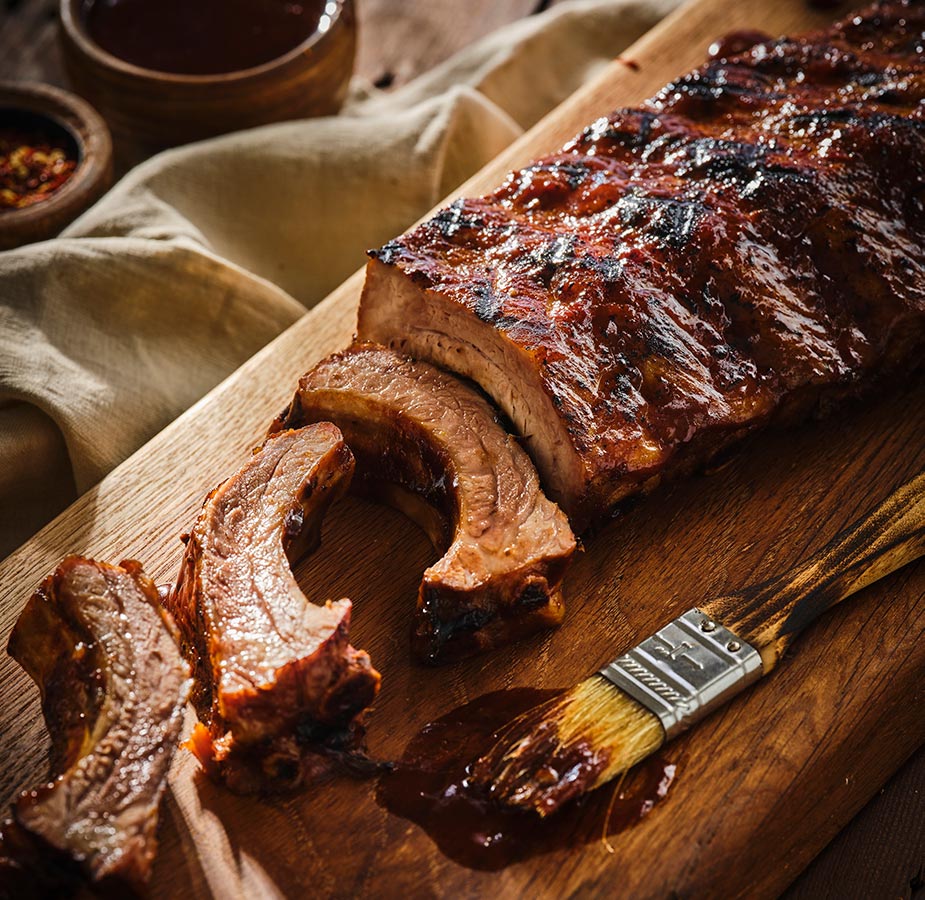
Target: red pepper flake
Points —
{"points": [[32, 168]]}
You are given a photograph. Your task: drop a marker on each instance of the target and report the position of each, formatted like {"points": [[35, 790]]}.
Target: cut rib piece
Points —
{"points": [[745, 246], [434, 447], [276, 680], [114, 685]]}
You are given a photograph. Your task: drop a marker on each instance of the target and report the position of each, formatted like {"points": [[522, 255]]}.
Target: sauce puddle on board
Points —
{"points": [[201, 37], [430, 787]]}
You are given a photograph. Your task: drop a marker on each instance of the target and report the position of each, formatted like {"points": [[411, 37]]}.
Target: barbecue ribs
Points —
{"points": [[433, 447], [276, 681], [745, 246], [104, 655]]}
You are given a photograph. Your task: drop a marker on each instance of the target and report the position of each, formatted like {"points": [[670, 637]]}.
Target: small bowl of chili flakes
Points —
{"points": [[55, 161]]}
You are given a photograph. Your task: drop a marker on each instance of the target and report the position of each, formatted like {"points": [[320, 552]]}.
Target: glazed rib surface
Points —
{"points": [[747, 244]]}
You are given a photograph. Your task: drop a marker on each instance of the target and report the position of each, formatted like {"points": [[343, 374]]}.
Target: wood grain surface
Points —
{"points": [[771, 615], [761, 787]]}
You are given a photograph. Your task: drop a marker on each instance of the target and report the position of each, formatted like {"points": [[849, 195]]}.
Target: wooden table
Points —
{"points": [[882, 851]]}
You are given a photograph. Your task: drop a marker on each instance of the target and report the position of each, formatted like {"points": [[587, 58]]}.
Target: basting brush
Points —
{"points": [[696, 663]]}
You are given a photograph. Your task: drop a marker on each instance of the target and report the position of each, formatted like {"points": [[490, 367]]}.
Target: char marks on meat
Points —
{"points": [[114, 685], [745, 246], [276, 681], [434, 447]]}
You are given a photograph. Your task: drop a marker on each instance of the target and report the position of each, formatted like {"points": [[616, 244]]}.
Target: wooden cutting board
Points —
{"points": [[760, 788]]}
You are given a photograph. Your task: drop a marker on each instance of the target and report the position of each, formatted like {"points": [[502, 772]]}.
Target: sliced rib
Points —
{"points": [[747, 245], [114, 685], [275, 677], [435, 448]]}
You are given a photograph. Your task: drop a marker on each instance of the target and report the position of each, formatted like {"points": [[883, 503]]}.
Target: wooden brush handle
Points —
{"points": [[771, 614]]}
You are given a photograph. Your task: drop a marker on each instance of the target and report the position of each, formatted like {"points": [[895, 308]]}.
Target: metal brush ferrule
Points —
{"points": [[685, 670]]}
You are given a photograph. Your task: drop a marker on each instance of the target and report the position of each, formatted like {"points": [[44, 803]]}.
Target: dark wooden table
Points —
{"points": [[882, 852]]}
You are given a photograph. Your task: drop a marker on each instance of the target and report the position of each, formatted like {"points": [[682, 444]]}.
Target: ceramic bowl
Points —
{"points": [[160, 109], [77, 126]]}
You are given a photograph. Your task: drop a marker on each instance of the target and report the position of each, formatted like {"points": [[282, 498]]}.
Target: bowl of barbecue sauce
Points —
{"points": [[55, 160], [165, 72]]}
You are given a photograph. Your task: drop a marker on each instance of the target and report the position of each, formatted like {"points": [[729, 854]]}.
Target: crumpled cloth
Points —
{"points": [[202, 254]]}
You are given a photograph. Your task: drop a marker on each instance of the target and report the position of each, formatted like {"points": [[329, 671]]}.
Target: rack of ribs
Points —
{"points": [[114, 686], [745, 247]]}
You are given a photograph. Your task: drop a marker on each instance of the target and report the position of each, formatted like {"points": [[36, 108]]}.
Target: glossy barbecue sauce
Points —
{"points": [[202, 37], [736, 42], [430, 786]]}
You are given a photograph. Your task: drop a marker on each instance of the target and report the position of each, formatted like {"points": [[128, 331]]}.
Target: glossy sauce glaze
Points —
{"points": [[430, 786], [736, 42], [201, 37]]}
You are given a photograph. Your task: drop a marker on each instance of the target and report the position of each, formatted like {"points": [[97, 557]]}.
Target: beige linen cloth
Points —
{"points": [[201, 255]]}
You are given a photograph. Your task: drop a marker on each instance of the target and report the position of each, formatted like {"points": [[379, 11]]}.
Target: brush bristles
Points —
{"points": [[567, 746]]}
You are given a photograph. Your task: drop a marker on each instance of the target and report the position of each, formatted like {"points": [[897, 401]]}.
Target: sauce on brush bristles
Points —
{"points": [[567, 746]]}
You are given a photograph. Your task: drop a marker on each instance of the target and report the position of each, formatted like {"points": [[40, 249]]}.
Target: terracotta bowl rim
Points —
{"points": [[88, 131], [73, 24]]}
